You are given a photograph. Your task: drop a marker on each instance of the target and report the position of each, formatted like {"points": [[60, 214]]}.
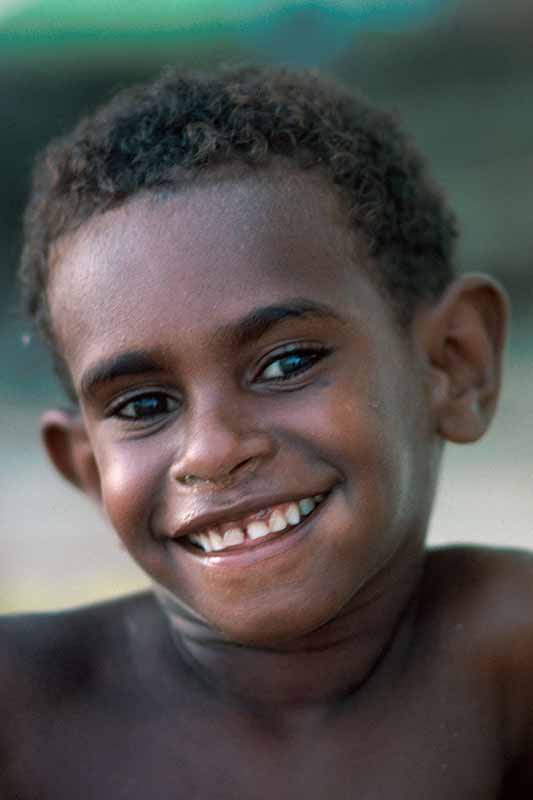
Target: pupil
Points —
{"points": [[149, 405], [292, 362]]}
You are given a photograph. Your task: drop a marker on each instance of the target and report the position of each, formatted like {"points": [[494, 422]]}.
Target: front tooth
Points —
{"points": [[256, 530], [277, 521], [200, 540], [306, 505], [205, 542], [215, 540], [293, 514], [233, 537]]}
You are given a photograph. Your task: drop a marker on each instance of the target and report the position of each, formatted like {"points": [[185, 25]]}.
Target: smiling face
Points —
{"points": [[233, 357]]}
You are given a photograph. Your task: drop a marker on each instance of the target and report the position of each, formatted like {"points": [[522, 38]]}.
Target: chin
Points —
{"points": [[277, 627]]}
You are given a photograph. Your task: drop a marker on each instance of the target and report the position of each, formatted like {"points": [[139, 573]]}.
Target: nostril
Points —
{"points": [[223, 478], [245, 467], [191, 480]]}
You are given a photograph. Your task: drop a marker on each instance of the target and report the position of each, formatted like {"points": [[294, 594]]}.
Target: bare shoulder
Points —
{"points": [[486, 568], [487, 595], [487, 591], [490, 588], [44, 656], [57, 669]]}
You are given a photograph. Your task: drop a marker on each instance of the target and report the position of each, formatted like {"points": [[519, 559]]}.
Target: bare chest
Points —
{"points": [[419, 748]]}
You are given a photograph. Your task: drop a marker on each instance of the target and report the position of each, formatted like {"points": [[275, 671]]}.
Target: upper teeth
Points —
{"points": [[263, 523]]}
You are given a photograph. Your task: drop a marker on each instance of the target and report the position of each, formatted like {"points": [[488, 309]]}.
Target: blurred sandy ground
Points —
{"points": [[56, 550]]}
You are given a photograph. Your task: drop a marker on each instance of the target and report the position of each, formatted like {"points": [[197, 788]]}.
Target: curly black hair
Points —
{"points": [[164, 133]]}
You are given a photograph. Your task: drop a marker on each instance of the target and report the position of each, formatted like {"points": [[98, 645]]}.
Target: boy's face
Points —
{"points": [[232, 355]]}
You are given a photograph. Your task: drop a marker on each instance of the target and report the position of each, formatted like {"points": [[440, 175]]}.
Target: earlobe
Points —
{"points": [[68, 447], [464, 340]]}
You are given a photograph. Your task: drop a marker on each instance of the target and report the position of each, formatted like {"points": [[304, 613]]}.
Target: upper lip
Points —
{"points": [[218, 516]]}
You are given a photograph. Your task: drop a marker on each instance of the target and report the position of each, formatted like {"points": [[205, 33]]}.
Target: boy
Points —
{"points": [[246, 281]]}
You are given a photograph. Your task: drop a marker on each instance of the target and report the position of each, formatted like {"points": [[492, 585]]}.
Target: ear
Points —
{"points": [[463, 337], [68, 446]]}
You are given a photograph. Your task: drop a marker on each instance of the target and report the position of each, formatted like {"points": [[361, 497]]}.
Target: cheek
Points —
{"points": [[131, 481], [370, 432], [346, 423]]}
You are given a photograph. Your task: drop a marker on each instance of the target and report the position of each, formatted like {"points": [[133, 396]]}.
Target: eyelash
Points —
{"points": [[310, 356]]}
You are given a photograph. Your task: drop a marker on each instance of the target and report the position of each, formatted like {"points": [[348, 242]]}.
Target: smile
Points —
{"points": [[264, 523]]}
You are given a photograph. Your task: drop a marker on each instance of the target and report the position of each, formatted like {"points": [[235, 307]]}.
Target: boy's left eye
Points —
{"points": [[292, 363]]}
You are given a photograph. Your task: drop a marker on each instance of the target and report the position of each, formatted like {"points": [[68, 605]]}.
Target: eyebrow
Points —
{"points": [[132, 362], [248, 329], [261, 320]]}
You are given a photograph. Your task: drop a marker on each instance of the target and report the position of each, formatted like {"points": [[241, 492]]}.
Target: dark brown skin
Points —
{"points": [[99, 704], [336, 659]]}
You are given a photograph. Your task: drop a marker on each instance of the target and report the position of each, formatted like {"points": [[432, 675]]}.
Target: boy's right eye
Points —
{"points": [[145, 407]]}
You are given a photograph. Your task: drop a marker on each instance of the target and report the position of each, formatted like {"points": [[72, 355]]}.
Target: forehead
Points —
{"points": [[191, 260]]}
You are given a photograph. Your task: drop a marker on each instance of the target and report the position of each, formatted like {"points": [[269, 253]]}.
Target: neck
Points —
{"points": [[319, 669]]}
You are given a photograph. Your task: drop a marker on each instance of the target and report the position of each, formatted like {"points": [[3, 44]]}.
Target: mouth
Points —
{"points": [[254, 529]]}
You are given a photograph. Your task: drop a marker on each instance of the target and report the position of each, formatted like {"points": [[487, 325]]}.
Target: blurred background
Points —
{"points": [[459, 72]]}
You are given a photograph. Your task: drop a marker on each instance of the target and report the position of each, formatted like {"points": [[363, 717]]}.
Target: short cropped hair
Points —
{"points": [[165, 132]]}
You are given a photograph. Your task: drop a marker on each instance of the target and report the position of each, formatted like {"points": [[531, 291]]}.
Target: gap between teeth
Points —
{"points": [[213, 541]]}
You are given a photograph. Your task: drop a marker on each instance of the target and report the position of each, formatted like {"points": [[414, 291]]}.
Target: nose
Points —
{"points": [[220, 448]]}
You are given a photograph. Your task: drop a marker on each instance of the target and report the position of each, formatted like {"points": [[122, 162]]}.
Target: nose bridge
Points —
{"points": [[221, 437]]}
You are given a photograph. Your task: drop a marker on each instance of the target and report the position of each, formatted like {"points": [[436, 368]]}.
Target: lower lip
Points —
{"points": [[259, 550]]}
